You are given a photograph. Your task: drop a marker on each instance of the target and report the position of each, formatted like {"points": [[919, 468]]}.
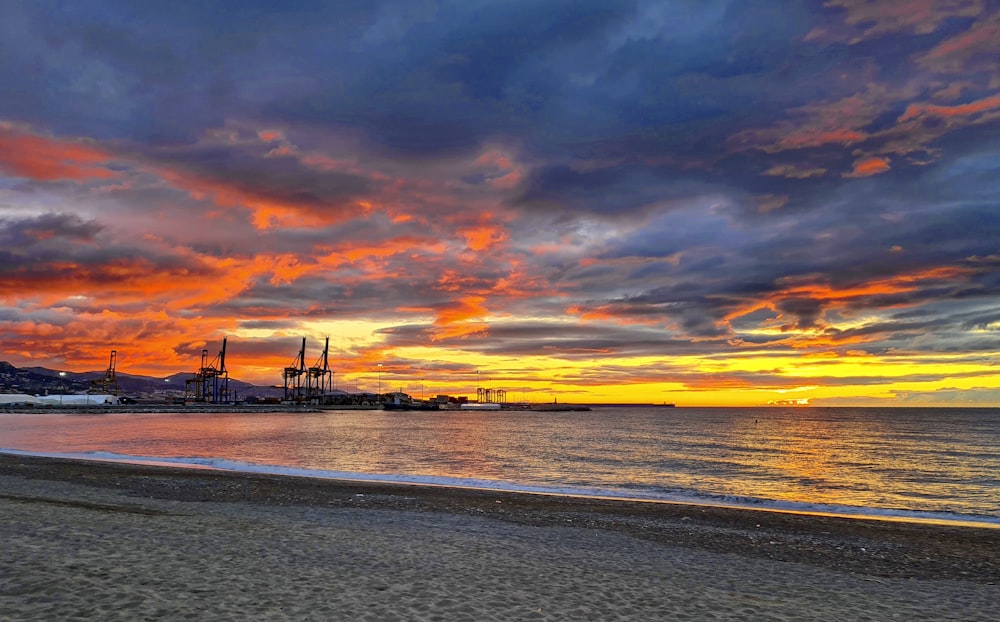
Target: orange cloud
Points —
{"points": [[46, 159], [914, 111], [463, 309], [270, 136], [787, 136], [624, 314], [192, 281], [370, 259], [977, 47], [146, 341], [462, 318], [453, 281], [828, 296], [869, 166], [266, 212], [898, 284], [840, 122], [484, 237], [484, 234], [849, 121]]}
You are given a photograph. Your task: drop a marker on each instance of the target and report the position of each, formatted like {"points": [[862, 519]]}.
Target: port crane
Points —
{"points": [[292, 375], [108, 385], [211, 382], [319, 377]]}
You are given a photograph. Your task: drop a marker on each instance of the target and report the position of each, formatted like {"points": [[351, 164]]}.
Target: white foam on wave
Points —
{"points": [[693, 498]]}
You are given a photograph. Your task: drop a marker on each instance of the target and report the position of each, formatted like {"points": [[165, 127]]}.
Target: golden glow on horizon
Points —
{"points": [[743, 377]]}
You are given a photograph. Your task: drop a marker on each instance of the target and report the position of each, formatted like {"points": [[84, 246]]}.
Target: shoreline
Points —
{"points": [[858, 513], [878, 547]]}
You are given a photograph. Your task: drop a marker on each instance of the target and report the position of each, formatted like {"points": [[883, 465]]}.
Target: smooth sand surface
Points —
{"points": [[93, 541]]}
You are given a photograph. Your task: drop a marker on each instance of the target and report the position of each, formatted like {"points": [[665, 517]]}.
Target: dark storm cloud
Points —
{"points": [[250, 170], [574, 342], [418, 78], [877, 231], [611, 192], [307, 298], [19, 233], [52, 253]]}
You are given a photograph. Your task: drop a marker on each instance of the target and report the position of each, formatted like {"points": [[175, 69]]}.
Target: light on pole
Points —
{"points": [[380, 382], [62, 388]]}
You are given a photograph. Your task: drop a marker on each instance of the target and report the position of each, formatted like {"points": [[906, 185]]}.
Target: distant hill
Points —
{"points": [[41, 381], [38, 380]]}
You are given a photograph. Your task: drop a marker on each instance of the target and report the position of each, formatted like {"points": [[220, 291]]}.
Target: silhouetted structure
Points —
{"points": [[319, 378], [292, 375], [491, 396], [211, 381], [108, 385]]}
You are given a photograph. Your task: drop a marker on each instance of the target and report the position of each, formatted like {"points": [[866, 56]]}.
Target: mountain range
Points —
{"points": [[42, 381]]}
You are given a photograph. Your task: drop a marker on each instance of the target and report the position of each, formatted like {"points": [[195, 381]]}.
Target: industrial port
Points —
{"points": [[209, 389]]}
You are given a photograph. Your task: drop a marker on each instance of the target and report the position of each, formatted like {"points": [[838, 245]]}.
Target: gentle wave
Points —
{"points": [[644, 495]]}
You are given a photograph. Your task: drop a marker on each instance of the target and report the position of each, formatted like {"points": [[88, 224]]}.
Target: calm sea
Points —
{"points": [[934, 464]]}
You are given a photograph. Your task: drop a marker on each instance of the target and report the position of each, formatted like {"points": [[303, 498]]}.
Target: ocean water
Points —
{"points": [[905, 464]]}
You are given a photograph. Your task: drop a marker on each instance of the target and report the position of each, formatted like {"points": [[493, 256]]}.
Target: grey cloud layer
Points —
{"points": [[649, 135]]}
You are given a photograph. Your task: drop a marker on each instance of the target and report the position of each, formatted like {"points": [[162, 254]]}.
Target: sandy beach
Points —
{"points": [[96, 541]]}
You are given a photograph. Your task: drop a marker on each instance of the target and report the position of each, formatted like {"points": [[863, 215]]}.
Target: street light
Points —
{"points": [[62, 388], [380, 382]]}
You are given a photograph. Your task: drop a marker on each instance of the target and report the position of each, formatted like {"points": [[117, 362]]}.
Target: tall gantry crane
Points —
{"points": [[211, 382], [108, 385], [292, 375], [319, 379]]}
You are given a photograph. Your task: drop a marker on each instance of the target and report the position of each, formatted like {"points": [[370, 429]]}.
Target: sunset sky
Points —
{"points": [[702, 202]]}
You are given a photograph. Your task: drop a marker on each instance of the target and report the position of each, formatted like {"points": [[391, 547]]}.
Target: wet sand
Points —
{"points": [[85, 540]]}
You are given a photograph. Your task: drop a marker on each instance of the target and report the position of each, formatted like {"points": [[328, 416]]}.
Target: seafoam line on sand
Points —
{"points": [[763, 505]]}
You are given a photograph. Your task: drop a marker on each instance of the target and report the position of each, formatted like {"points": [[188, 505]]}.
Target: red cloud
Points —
{"points": [[918, 110], [959, 54], [265, 212], [840, 122], [830, 297], [270, 136], [463, 317], [46, 159], [483, 237], [190, 282], [869, 166]]}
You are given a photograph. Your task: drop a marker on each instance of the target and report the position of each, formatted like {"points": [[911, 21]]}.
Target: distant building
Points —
{"points": [[18, 399], [78, 400]]}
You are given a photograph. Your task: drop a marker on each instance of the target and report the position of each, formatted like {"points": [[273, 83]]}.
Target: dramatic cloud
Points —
{"points": [[718, 203]]}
